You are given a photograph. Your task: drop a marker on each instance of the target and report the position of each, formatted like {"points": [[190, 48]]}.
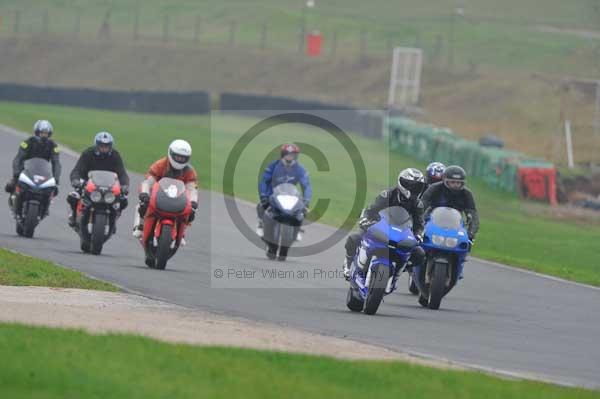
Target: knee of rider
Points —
{"points": [[419, 255], [71, 199], [350, 244]]}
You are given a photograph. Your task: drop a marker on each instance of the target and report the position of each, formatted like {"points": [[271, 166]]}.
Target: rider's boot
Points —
{"points": [[346, 267], [138, 224], [300, 235], [259, 228], [72, 219]]}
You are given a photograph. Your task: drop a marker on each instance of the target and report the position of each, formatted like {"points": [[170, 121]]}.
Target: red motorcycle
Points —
{"points": [[98, 209], [165, 221]]}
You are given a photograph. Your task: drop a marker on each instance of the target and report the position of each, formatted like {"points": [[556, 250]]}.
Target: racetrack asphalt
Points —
{"points": [[498, 318]]}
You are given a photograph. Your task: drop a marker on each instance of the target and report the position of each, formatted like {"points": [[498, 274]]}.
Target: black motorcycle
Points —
{"points": [[282, 220], [97, 210], [36, 187]]}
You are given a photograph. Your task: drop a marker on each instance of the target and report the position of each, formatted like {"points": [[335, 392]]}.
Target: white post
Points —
{"points": [[568, 138], [392, 90]]}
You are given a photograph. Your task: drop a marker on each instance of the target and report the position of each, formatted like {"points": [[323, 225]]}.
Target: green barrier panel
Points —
{"points": [[497, 167]]}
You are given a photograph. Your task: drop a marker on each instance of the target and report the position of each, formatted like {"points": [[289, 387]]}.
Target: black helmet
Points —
{"points": [[454, 178], [410, 182]]}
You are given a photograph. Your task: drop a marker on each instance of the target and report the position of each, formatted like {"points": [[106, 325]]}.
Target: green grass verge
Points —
{"points": [[510, 232], [55, 363], [16, 269]]}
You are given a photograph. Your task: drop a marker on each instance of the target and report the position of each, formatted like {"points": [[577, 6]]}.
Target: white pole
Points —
{"points": [[569, 144], [392, 90]]}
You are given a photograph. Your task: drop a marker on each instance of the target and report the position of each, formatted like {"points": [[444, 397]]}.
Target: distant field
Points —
{"points": [[17, 269], [512, 231], [502, 34], [56, 363]]}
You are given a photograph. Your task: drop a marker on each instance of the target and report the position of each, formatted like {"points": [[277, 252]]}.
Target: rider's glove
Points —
{"points": [[144, 198], [10, 186], [366, 222], [419, 237], [124, 190], [193, 213], [471, 236], [143, 207], [56, 191], [264, 202]]}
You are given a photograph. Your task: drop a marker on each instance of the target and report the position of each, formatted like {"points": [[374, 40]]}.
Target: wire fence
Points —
{"points": [[364, 41]]}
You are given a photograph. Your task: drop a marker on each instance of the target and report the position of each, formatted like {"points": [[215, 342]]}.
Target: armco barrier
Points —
{"points": [[137, 101], [500, 168], [367, 123]]}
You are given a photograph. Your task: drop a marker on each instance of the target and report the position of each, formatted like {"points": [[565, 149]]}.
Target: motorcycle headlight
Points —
{"points": [[96, 196], [438, 240], [451, 242], [287, 202], [109, 198]]}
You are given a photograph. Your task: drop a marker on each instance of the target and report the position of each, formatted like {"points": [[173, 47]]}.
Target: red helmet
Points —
{"points": [[289, 148], [289, 154]]}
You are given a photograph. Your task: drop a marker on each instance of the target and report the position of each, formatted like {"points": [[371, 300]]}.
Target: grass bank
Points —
{"points": [[16, 269], [510, 232], [56, 363]]}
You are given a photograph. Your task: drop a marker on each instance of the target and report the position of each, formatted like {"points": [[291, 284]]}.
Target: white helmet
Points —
{"points": [[179, 154]]}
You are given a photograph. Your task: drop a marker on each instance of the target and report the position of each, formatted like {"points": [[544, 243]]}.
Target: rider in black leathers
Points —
{"points": [[40, 145], [452, 193], [405, 194], [101, 156]]}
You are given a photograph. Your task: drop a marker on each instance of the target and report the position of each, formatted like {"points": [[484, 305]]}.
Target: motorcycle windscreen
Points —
{"points": [[170, 196], [288, 196], [397, 216], [447, 218], [38, 170], [286, 189], [396, 226], [103, 178]]}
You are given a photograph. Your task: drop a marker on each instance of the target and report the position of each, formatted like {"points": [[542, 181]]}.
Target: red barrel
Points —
{"points": [[538, 183], [314, 43]]}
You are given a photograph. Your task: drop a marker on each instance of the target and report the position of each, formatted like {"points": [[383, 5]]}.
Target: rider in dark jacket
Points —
{"points": [[40, 145], [453, 193], [101, 156], [405, 194]]}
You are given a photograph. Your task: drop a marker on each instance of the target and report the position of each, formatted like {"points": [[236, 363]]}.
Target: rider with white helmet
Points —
{"points": [[175, 165]]}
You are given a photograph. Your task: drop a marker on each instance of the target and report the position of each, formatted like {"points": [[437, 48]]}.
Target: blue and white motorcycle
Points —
{"points": [[446, 244], [382, 255]]}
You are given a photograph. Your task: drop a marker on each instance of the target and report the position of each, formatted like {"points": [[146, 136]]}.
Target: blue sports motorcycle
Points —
{"points": [[446, 244], [382, 255]]}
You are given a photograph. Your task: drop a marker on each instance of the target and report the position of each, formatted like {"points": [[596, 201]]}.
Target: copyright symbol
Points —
{"points": [[218, 273], [315, 121]]}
